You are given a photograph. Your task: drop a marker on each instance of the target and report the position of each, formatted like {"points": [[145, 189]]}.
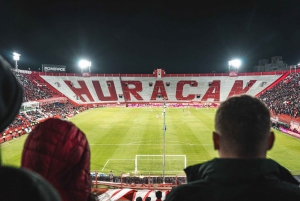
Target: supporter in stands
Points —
{"points": [[139, 199], [111, 176], [18, 184], [60, 152], [242, 139], [158, 195]]}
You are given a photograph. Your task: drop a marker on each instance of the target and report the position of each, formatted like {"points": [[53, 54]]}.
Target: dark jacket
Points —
{"points": [[60, 152], [21, 184], [237, 179]]}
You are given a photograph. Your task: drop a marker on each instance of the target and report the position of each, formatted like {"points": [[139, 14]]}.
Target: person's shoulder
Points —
{"points": [[202, 190], [287, 188], [184, 192], [29, 185]]}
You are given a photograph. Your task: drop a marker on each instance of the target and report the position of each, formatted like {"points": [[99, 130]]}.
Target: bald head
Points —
{"points": [[242, 125]]}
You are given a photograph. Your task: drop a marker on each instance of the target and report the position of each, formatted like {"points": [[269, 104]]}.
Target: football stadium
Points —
{"points": [[149, 100], [146, 128]]}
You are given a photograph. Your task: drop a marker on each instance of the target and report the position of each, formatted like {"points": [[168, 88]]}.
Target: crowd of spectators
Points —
{"points": [[20, 120], [284, 97], [284, 127], [33, 89], [63, 110], [142, 180], [36, 90], [35, 115], [278, 125], [27, 119]]}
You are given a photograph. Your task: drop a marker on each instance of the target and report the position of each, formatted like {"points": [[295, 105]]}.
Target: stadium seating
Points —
{"points": [[284, 97], [127, 89], [178, 89], [33, 89]]}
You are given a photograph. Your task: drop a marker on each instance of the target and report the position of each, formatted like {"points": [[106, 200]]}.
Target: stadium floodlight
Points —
{"points": [[85, 64], [16, 57], [236, 63]]}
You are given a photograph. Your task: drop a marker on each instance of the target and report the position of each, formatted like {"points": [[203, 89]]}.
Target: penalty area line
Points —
{"points": [[117, 159]]}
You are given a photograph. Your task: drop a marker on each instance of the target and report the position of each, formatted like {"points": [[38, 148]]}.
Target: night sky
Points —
{"points": [[140, 36]]}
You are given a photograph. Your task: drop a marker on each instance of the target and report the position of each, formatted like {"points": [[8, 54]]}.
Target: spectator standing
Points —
{"points": [[111, 176], [242, 138], [158, 195]]}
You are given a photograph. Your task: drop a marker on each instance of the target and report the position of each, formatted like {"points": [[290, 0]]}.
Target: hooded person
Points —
{"points": [[18, 184], [11, 95], [59, 152]]}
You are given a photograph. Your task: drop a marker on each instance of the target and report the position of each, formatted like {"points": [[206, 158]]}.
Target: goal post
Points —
{"points": [[154, 163]]}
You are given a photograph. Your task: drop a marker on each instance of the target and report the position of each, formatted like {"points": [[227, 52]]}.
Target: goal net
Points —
{"points": [[154, 163]]}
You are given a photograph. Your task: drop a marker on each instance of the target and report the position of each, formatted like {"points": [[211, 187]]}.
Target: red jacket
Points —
{"points": [[60, 152]]}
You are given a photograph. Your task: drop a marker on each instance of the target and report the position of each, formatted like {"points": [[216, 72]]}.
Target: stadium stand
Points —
{"points": [[33, 89], [283, 101], [178, 88], [64, 95], [284, 97]]}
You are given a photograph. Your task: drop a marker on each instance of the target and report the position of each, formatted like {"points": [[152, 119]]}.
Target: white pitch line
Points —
{"points": [[105, 165], [116, 159]]}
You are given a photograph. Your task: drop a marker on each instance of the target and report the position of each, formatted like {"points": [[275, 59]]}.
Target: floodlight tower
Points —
{"points": [[16, 57], [235, 63], [84, 64], [233, 67]]}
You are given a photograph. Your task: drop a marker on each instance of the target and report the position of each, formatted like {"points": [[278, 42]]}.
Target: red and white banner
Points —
{"points": [[116, 194]]}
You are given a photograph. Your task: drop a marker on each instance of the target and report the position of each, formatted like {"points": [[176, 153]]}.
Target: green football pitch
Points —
{"points": [[130, 140]]}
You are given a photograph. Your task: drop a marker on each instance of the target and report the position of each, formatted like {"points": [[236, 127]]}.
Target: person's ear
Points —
{"points": [[271, 140], [216, 140]]}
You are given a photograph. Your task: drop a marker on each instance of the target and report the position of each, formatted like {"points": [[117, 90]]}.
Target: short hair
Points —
{"points": [[158, 194], [243, 122], [138, 199]]}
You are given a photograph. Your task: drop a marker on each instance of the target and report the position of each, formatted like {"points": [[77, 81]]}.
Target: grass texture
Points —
{"points": [[117, 135]]}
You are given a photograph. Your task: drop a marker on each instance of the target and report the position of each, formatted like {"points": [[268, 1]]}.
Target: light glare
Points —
{"points": [[16, 56], [235, 63], [84, 63]]}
